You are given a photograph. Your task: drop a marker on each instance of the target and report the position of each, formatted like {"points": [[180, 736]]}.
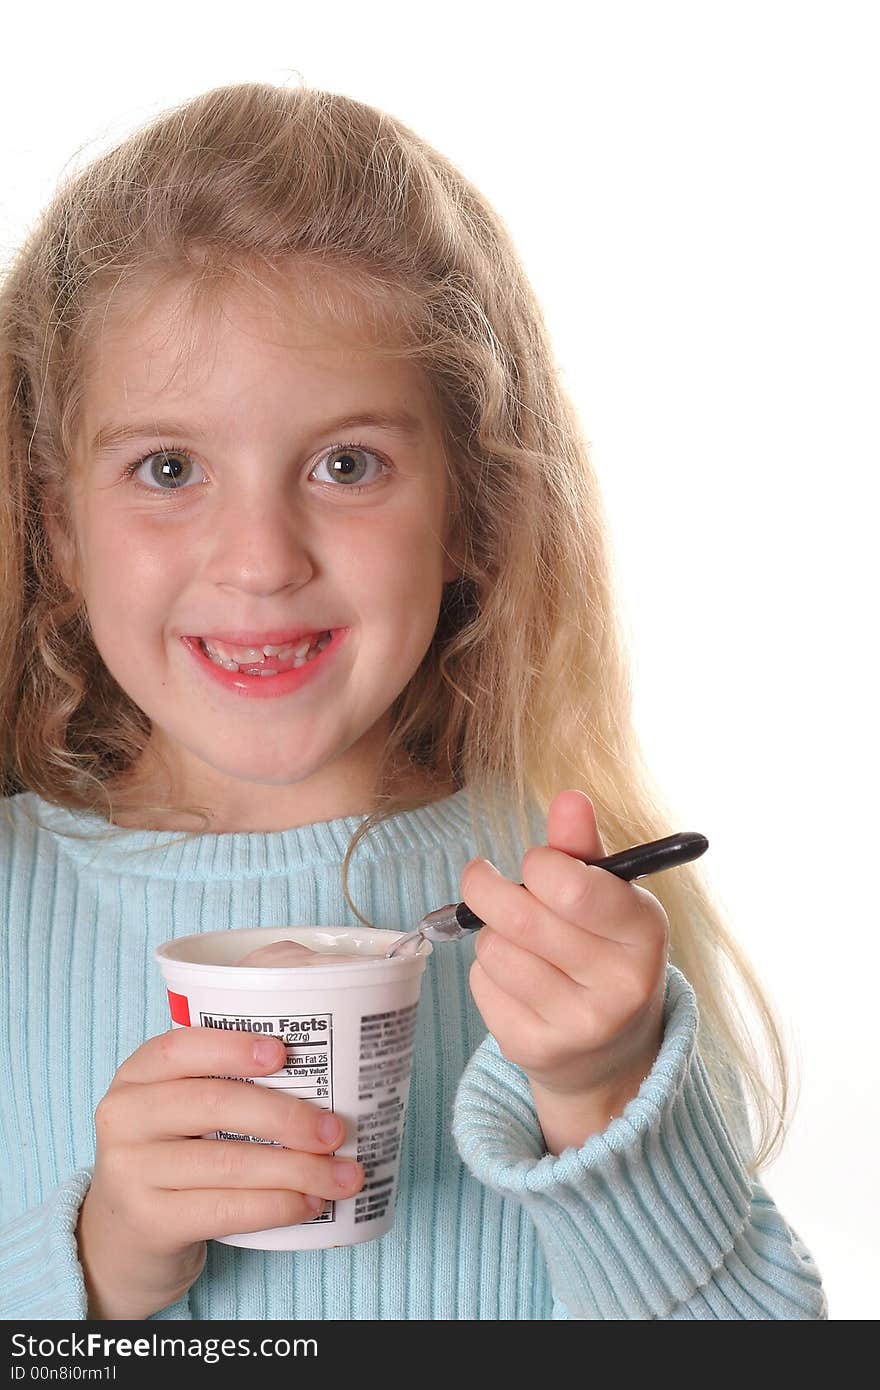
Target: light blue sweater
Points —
{"points": [[654, 1218]]}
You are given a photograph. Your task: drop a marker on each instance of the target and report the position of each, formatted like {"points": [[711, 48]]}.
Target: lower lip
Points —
{"points": [[266, 687]]}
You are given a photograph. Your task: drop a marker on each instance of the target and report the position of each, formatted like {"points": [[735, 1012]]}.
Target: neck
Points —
{"points": [[143, 803]]}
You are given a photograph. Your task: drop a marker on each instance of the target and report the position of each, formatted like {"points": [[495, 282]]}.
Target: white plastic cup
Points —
{"points": [[349, 1030]]}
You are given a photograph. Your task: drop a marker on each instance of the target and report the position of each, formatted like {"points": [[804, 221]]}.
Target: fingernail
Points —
{"points": [[329, 1129], [345, 1174], [266, 1050], [316, 1203]]}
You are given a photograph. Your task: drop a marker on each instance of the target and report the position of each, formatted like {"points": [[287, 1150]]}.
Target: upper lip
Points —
{"points": [[276, 637]]}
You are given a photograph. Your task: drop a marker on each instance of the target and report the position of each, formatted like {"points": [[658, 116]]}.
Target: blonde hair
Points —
{"points": [[526, 686]]}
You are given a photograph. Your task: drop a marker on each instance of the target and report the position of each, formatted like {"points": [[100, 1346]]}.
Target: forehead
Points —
{"points": [[180, 336]]}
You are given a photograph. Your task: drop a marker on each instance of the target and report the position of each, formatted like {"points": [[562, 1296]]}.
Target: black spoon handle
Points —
{"points": [[636, 862]]}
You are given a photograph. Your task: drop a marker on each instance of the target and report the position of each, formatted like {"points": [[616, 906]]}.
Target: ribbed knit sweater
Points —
{"points": [[654, 1218]]}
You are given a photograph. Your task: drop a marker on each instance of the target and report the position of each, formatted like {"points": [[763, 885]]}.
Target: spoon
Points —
{"points": [[456, 920]]}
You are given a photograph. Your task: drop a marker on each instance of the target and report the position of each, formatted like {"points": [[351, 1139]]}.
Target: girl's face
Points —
{"points": [[251, 525]]}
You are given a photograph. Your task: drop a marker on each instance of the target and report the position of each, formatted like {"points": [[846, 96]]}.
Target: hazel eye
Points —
{"points": [[344, 463], [171, 469], [167, 468]]}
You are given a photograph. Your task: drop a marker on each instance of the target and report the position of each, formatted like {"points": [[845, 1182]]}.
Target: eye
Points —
{"points": [[170, 470], [344, 465]]}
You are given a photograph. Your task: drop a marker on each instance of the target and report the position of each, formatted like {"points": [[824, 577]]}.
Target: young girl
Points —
{"points": [[273, 376]]}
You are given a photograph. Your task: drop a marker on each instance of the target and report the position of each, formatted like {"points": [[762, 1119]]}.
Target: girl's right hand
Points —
{"points": [[159, 1192]]}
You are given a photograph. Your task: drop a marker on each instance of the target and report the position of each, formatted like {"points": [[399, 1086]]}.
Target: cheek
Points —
{"points": [[126, 575], [398, 579], [383, 551]]}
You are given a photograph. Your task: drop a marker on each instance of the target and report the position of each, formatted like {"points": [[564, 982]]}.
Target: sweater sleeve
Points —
{"points": [[40, 1273], [656, 1217], [41, 1277]]}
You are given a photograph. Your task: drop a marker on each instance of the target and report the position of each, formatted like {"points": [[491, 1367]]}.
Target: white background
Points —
{"points": [[693, 188]]}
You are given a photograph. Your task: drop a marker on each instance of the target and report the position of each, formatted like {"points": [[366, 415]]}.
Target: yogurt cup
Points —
{"points": [[349, 1031]]}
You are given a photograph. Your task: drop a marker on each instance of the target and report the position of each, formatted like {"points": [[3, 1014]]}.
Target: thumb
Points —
{"points": [[572, 828]]}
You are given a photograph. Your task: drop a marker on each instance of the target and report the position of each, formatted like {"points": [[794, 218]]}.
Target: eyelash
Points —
{"points": [[132, 468]]}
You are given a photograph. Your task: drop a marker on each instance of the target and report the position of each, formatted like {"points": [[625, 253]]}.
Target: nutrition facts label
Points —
{"points": [[384, 1040], [386, 1048], [308, 1069]]}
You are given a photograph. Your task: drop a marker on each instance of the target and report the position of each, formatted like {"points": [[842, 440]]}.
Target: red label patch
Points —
{"points": [[179, 1005]]}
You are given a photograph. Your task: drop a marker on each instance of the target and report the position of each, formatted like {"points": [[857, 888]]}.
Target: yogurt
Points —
{"points": [[287, 953]]}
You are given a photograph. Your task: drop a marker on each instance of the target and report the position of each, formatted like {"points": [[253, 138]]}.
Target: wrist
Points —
{"points": [[568, 1121], [568, 1118], [112, 1293]]}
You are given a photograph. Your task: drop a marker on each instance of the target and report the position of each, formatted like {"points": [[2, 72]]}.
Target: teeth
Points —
{"points": [[286, 651], [247, 656], [234, 658]]}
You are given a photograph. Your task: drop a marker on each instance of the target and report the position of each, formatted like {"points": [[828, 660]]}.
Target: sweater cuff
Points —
{"points": [[641, 1215], [40, 1273]]}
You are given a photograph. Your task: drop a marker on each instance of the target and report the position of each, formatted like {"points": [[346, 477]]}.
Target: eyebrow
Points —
{"points": [[399, 422]]}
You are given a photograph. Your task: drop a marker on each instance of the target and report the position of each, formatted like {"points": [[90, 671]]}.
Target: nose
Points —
{"points": [[258, 546]]}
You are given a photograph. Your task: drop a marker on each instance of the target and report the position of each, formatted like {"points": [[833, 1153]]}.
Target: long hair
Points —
{"points": [[526, 686]]}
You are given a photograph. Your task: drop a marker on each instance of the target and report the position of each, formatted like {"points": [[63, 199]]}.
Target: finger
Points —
{"points": [[572, 826], [582, 1015], [549, 993], [573, 833], [223, 1163], [587, 897], [572, 830], [578, 948], [205, 1215], [192, 1107], [201, 1052], [535, 1040]]}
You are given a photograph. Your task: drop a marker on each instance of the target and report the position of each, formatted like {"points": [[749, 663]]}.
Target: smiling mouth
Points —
{"points": [[271, 663]]}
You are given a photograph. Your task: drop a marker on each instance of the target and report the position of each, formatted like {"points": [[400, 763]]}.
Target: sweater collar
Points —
{"points": [[92, 840]]}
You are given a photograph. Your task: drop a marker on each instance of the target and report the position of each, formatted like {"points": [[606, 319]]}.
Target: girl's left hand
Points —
{"points": [[570, 974]]}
